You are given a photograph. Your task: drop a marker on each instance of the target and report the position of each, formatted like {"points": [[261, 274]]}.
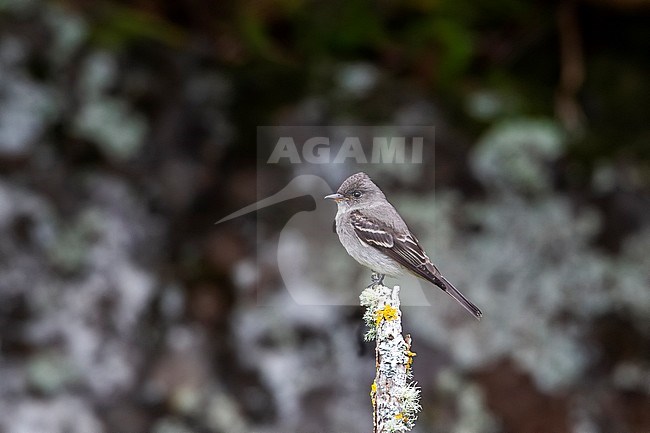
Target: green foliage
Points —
{"points": [[339, 29], [119, 26]]}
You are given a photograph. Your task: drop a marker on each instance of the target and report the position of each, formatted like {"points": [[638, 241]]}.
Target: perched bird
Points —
{"points": [[375, 235]]}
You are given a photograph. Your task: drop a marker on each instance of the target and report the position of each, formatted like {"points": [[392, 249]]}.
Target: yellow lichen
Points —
{"points": [[373, 388], [386, 313], [399, 416], [409, 361]]}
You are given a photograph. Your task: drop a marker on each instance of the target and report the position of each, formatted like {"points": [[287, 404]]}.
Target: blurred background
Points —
{"points": [[127, 128]]}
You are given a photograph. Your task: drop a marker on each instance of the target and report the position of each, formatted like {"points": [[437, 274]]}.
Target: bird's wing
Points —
{"points": [[406, 250], [402, 247]]}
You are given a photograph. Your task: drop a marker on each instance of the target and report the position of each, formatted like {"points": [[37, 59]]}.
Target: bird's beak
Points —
{"points": [[336, 197]]}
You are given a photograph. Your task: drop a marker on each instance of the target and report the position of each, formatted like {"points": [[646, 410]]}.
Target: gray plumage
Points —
{"points": [[376, 236]]}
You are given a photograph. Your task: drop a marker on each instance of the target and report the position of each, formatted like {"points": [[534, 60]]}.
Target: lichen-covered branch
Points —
{"points": [[395, 397]]}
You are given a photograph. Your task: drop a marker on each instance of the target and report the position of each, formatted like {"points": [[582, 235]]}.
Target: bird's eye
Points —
{"points": [[356, 194]]}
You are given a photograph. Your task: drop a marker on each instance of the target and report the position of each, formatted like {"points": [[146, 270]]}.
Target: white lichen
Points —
{"points": [[370, 299], [409, 395]]}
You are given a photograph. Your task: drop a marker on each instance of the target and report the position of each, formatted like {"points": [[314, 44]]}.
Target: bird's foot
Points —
{"points": [[376, 279]]}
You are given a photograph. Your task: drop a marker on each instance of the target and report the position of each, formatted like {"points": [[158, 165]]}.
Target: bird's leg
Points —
{"points": [[376, 278]]}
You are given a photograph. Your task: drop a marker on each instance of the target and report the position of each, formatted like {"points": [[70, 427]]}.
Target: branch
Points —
{"points": [[395, 397]]}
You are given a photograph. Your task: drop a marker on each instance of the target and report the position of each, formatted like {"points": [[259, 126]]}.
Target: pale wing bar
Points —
{"points": [[403, 248], [371, 232]]}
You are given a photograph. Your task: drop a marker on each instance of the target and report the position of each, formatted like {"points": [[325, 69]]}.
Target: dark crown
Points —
{"points": [[358, 180]]}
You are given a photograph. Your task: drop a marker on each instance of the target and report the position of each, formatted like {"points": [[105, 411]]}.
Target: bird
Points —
{"points": [[375, 235]]}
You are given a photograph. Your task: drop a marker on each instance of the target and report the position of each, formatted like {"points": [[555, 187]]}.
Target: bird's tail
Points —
{"points": [[445, 285]]}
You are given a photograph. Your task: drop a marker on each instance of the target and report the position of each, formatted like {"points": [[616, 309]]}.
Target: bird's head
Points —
{"points": [[356, 192]]}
